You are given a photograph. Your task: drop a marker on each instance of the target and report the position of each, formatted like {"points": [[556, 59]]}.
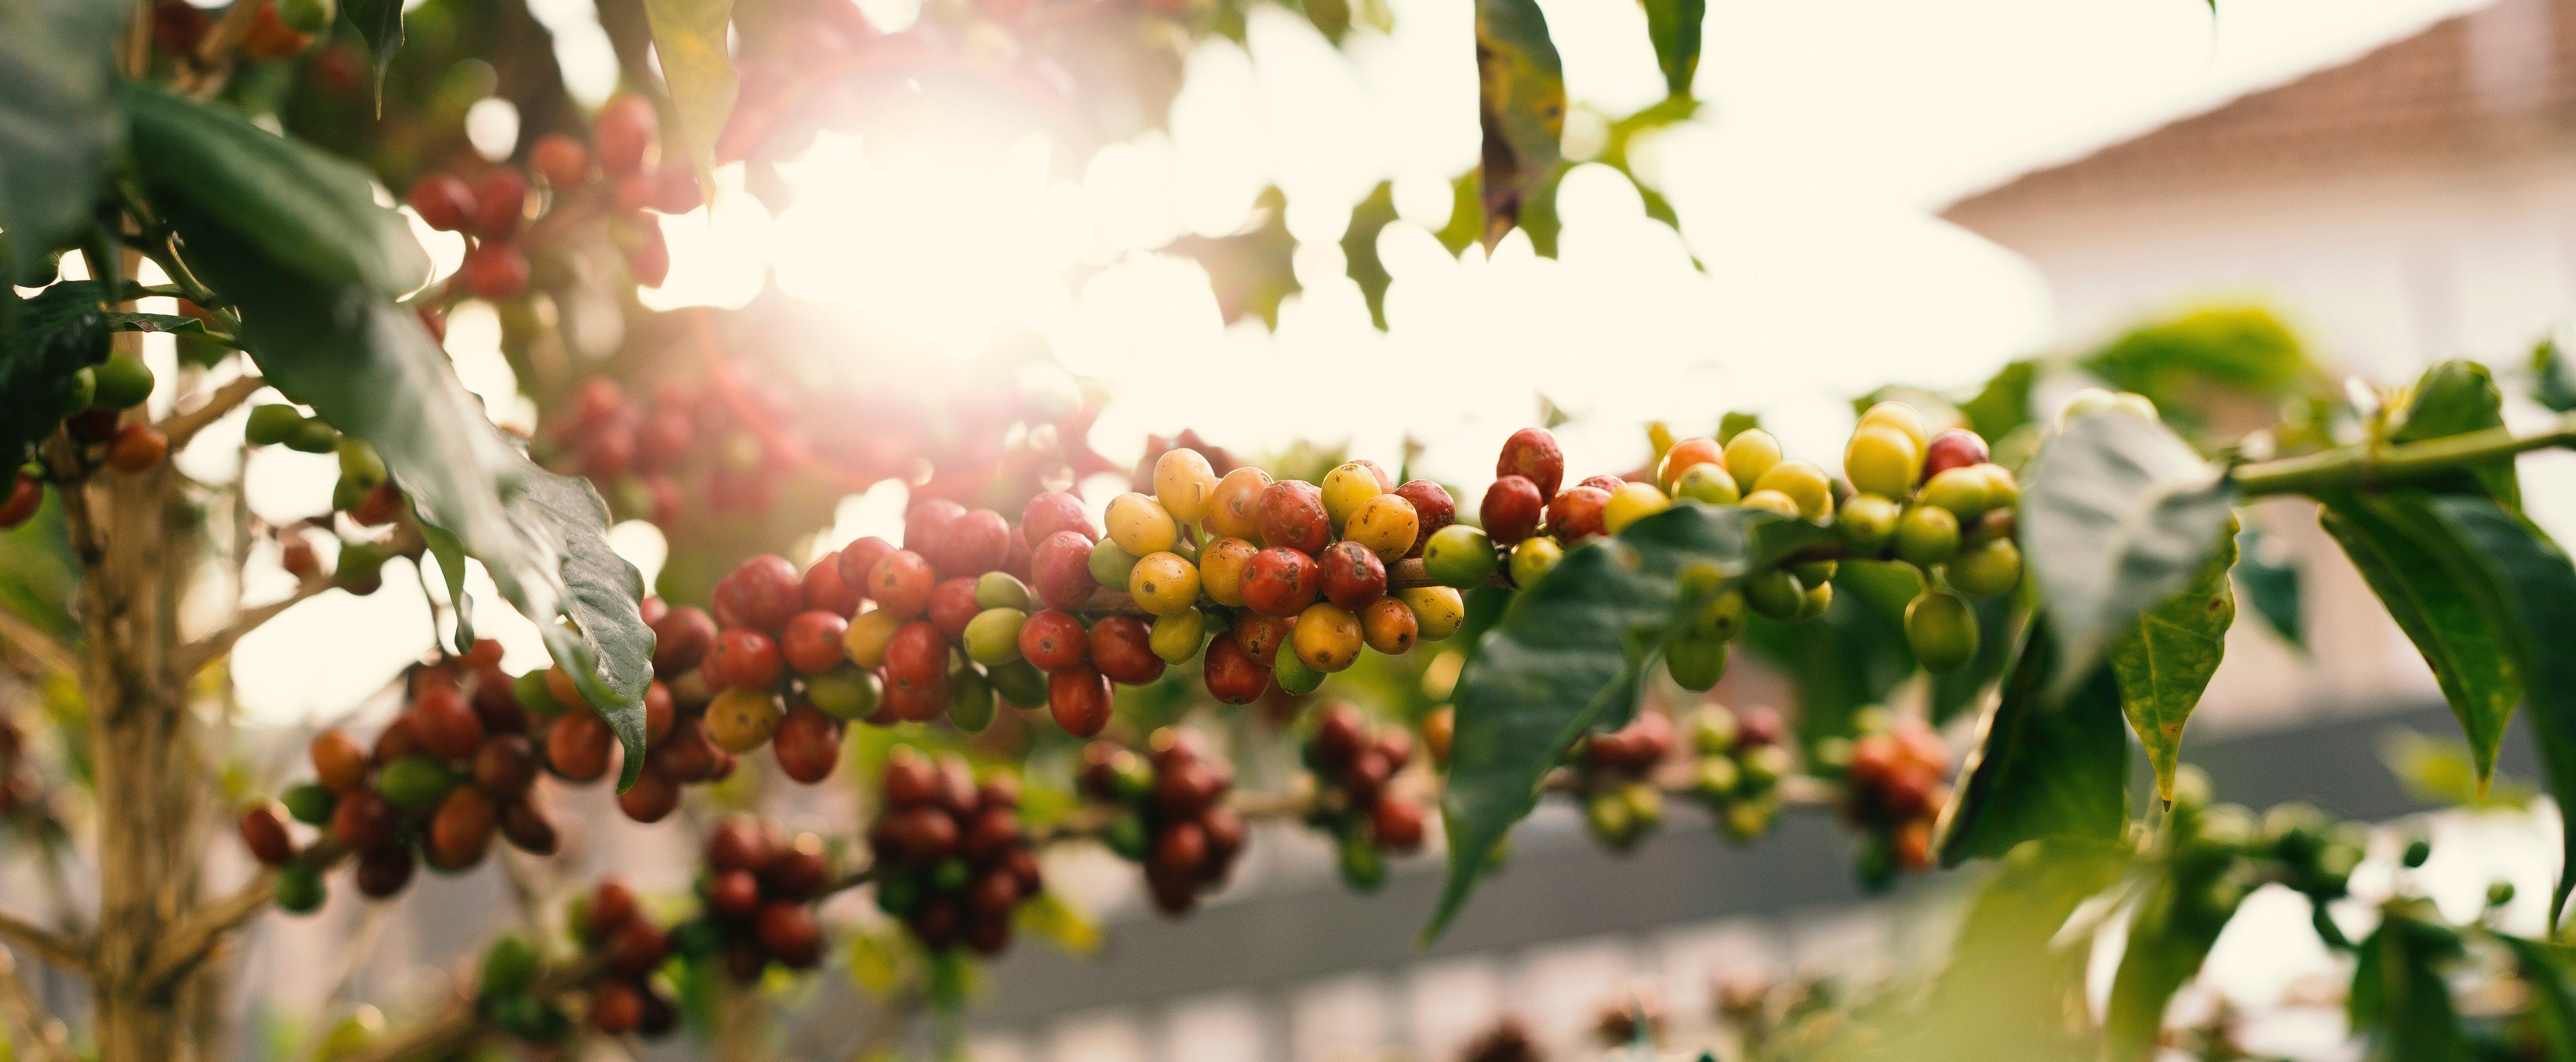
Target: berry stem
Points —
{"points": [[2370, 467]]}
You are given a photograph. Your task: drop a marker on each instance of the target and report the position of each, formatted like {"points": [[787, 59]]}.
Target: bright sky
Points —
{"points": [[1834, 128]]}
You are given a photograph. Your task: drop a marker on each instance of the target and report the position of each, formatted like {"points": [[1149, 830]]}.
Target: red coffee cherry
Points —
{"points": [[976, 542], [651, 799], [952, 606], [527, 828], [137, 447], [1279, 581], [807, 744], [366, 822], [1433, 509], [612, 905], [263, 831], [748, 659], [901, 583], [1122, 648], [917, 658], [1262, 636], [624, 133], [1956, 448], [339, 762], [495, 270], [561, 160], [812, 640], [578, 745], [1061, 566], [790, 935], [446, 723], [857, 559], [1055, 511], [650, 260], [1232, 676], [443, 201], [772, 592], [1351, 575], [1053, 641], [384, 871], [825, 591], [500, 203], [1532, 454], [1576, 513], [26, 495], [461, 832], [1398, 825], [1078, 698], [1512, 509], [735, 894], [1292, 515], [505, 766]]}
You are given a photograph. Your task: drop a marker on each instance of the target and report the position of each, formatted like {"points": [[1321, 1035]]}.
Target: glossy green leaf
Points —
{"points": [[2536, 594], [2400, 1000], [380, 22], [689, 36], [2045, 765], [2545, 969], [2553, 382], [2165, 662], [2453, 398], [1567, 656], [59, 129], [2433, 587], [1674, 26], [303, 210], [2117, 515], [2272, 584], [369, 369], [1521, 107], [44, 342]]}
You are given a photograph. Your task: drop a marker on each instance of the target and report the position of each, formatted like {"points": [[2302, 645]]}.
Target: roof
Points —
{"points": [[2496, 83]]}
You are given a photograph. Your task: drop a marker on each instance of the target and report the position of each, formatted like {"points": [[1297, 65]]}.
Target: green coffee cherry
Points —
{"points": [[311, 804], [897, 896], [416, 782], [1293, 675], [1722, 618], [1987, 570], [993, 636], [1712, 731], [1019, 682], [1814, 602], [1612, 820], [123, 381], [1362, 866], [1126, 836], [312, 436], [271, 424], [1696, 661], [1178, 637], [1001, 590], [1776, 595], [844, 693], [1867, 522], [1716, 779], [1764, 767], [1747, 820], [1459, 556], [1110, 565], [970, 699], [1962, 491], [1532, 558], [359, 463], [1942, 630], [1927, 535], [299, 888], [82, 390], [1708, 483], [1645, 804], [509, 967], [533, 696]]}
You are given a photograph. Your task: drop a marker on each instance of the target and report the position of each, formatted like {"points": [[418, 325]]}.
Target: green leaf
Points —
{"points": [[44, 342], [2544, 970], [2537, 591], [1568, 655], [1674, 26], [2013, 989], [2244, 349], [451, 569], [301, 209], [1359, 249], [367, 366], [381, 23], [2003, 404], [2453, 398], [166, 323], [1521, 106], [58, 123], [39, 575], [2434, 587], [2165, 661], [2044, 765], [2400, 1000], [1251, 271], [2117, 515], [2272, 584], [2442, 772], [689, 38], [2553, 384]]}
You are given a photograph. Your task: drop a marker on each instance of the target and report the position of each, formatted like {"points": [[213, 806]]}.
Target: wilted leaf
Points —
{"points": [[2117, 515], [2164, 663]]}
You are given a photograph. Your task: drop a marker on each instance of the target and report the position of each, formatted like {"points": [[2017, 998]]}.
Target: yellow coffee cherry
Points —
{"points": [[1960, 490], [1177, 637], [1773, 501], [1327, 638], [2093, 400], [1532, 558], [1384, 523], [1751, 453], [866, 639], [1632, 503], [1819, 598], [1184, 482], [1140, 525], [742, 720], [1345, 487], [1221, 564], [1437, 610], [1927, 535], [1901, 417], [1707, 483], [2002, 490], [1882, 460], [1804, 483], [1722, 618], [1867, 522], [1164, 584]]}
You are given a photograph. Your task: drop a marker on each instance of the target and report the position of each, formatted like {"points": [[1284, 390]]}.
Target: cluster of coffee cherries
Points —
{"points": [[953, 861], [757, 898], [623, 999], [1354, 799], [495, 208], [1614, 776], [1741, 762], [1277, 565], [453, 769], [1893, 789], [655, 456], [679, 748], [365, 492], [92, 413], [1171, 814]]}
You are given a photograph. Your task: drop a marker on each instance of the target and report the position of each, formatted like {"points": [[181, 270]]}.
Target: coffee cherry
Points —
{"points": [[527, 828], [993, 637], [917, 658], [1882, 461], [578, 744], [1327, 637], [970, 700], [1956, 448], [495, 271], [789, 933], [1292, 515], [1532, 453], [1437, 610], [1459, 556], [1389, 626], [383, 872], [1261, 636], [1061, 569], [952, 607], [1707, 483], [26, 495], [747, 659], [1803, 483], [1962, 491], [1055, 511], [808, 745], [1185, 484], [1164, 584], [263, 831], [812, 642], [739, 721], [1232, 675], [1279, 581], [1386, 524], [825, 591], [137, 447], [681, 638], [901, 583], [1899, 417], [505, 766], [844, 693], [1140, 525], [1775, 594], [1345, 487], [1351, 575], [1221, 566], [1176, 638], [858, 559], [1685, 455], [1054, 641], [868, 636], [461, 832], [2085, 403], [1078, 698], [1926, 535], [1001, 590], [1750, 454], [366, 822], [1941, 629], [445, 722], [500, 204], [1631, 503], [339, 761], [975, 543], [1867, 522], [443, 201], [1986, 570], [120, 382], [1696, 659], [1532, 559], [1019, 682], [1122, 648], [1109, 564], [1512, 509], [1576, 513]]}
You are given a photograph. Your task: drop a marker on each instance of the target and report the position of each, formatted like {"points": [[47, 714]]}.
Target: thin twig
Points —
{"points": [[461, 1024], [181, 427], [195, 936], [34, 1025], [63, 951], [194, 656]]}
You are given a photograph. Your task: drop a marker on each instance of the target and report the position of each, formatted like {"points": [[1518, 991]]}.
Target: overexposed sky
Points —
{"points": [[1833, 129]]}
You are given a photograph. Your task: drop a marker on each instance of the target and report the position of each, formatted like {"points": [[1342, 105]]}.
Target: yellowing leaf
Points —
{"points": [[689, 38]]}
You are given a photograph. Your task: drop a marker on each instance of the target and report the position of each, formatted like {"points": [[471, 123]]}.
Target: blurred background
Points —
{"points": [[2285, 191]]}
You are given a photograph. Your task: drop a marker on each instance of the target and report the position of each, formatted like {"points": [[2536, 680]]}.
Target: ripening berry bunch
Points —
{"points": [[496, 209], [623, 998], [1614, 777], [952, 859], [1171, 814], [93, 404], [1894, 784], [1355, 799], [757, 896], [1741, 763]]}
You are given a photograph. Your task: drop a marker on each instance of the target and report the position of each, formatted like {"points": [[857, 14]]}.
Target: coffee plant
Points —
{"points": [[2047, 578]]}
